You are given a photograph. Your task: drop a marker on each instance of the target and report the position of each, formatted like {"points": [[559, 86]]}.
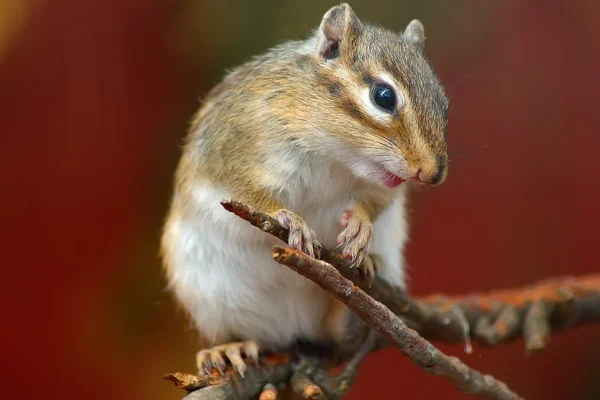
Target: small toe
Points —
{"points": [[217, 361], [203, 362], [251, 350], [235, 358]]}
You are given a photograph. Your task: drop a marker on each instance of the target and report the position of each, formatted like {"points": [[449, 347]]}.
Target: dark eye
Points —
{"points": [[384, 97]]}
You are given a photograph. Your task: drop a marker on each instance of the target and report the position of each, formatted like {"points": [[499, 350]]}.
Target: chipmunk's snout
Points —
{"points": [[433, 173]]}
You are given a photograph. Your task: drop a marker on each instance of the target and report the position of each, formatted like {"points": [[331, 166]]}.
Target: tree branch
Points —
{"points": [[533, 311], [489, 318]]}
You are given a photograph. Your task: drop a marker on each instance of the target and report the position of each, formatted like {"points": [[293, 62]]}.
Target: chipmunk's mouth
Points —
{"points": [[391, 180], [376, 172], [387, 177]]}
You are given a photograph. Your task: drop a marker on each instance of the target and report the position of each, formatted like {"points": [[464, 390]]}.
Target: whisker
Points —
{"points": [[457, 82]]}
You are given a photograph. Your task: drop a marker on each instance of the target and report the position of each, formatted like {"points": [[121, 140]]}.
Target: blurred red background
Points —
{"points": [[95, 97]]}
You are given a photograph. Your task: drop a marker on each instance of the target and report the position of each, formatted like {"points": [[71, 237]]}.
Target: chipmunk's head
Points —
{"points": [[382, 101]]}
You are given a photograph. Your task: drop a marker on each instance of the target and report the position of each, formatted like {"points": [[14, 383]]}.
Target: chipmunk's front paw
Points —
{"points": [[301, 237], [356, 238], [214, 358]]}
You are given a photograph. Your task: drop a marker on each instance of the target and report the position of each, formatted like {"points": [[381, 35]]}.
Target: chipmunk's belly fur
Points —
{"points": [[221, 270]]}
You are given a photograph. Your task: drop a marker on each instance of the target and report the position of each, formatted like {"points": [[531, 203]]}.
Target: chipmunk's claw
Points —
{"points": [[301, 237], [356, 238], [210, 359]]}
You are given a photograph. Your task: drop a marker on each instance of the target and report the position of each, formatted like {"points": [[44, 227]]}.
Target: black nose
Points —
{"points": [[437, 177], [442, 164]]}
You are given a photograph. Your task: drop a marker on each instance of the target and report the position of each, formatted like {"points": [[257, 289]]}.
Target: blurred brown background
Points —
{"points": [[95, 96]]}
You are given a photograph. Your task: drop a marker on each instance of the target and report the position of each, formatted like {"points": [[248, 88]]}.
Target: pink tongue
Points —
{"points": [[392, 180]]}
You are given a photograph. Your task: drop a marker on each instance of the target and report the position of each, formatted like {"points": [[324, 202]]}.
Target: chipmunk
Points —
{"points": [[321, 134]]}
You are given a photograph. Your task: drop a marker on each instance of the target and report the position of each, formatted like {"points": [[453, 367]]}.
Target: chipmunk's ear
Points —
{"points": [[415, 33], [339, 27]]}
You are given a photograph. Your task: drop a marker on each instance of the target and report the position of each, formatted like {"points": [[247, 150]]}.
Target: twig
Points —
{"points": [[338, 386], [269, 392], [351, 369], [231, 385], [536, 327], [382, 320], [188, 382], [304, 386]]}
